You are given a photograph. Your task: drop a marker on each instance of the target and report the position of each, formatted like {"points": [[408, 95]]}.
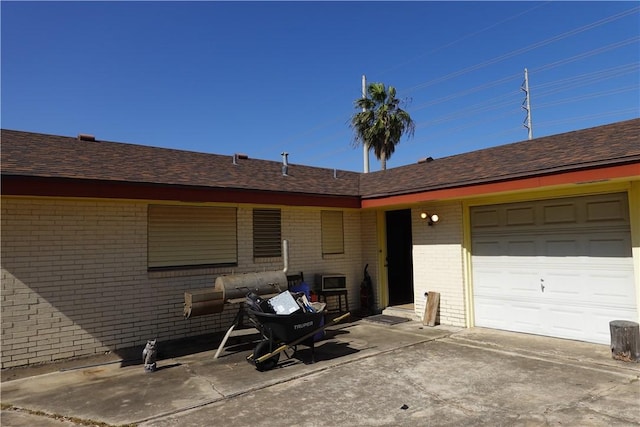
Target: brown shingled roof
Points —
{"points": [[617, 143], [49, 156], [27, 154]]}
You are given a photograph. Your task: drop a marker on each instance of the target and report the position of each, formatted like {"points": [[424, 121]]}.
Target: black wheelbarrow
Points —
{"points": [[282, 332]]}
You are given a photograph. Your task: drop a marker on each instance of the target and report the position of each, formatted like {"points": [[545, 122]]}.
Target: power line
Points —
{"points": [[509, 98], [591, 77], [494, 83], [590, 96], [467, 91], [468, 36], [574, 82], [590, 117], [516, 52], [589, 53]]}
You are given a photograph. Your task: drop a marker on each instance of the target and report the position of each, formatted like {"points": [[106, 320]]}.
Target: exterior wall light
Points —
{"points": [[432, 218]]}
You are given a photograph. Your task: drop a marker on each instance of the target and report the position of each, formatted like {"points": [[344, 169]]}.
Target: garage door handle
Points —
{"points": [[542, 285]]}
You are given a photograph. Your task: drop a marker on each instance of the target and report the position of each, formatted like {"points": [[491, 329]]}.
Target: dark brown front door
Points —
{"points": [[399, 258]]}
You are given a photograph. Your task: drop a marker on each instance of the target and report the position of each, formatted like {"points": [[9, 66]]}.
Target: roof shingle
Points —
{"points": [[617, 143], [49, 156]]}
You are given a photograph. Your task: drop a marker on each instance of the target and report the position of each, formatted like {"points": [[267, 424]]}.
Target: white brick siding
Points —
{"points": [[438, 262], [75, 279], [370, 251], [301, 227]]}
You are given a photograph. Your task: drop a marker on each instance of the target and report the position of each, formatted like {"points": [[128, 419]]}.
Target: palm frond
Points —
{"points": [[383, 123]]}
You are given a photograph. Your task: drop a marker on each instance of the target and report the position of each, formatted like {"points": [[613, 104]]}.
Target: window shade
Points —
{"points": [[191, 236], [332, 232], [267, 233]]}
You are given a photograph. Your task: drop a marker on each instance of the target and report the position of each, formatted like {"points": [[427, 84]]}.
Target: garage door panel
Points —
{"points": [[512, 247], [588, 323], [488, 248], [486, 216], [572, 281], [608, 283], [598, 321], [607, 210], [558, 247], [614, 245], [522, 248], [524, 285], [492, 279], [527, 316], [562, 213], [520, 216], [613, 289], [494, 313], [565, 321], [562, 267], [488, 310], [556, 287]]}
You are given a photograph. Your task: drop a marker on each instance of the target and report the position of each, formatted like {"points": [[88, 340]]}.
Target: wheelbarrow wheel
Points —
{"points": [[262, 348]]}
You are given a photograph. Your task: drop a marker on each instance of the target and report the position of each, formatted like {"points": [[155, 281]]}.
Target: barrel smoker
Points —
{"points": [[233, 289]]}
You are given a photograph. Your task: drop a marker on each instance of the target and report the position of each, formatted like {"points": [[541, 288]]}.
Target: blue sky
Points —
{"points": [[265, 77]]}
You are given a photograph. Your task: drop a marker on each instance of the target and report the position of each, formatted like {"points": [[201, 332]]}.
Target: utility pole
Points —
{"points": [[526, 104], [365, 147]]}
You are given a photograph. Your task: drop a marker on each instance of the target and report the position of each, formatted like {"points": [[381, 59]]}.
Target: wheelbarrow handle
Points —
{"points": [[283, 347]]}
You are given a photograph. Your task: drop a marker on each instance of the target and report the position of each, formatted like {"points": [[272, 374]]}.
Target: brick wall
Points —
{"points": [[438, 262], [75, 279], [301, 227], [65, 268], [369, 224]]}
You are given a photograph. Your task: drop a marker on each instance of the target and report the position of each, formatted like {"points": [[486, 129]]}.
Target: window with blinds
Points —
{"points": [[191, 236], [332, 232], [267, 233]]}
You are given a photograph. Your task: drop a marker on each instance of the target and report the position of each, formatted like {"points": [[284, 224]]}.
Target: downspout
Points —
{"points": [[285, 256]]}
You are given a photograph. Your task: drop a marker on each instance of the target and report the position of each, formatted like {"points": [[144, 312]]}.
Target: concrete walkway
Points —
{"points": [[365, 374]]}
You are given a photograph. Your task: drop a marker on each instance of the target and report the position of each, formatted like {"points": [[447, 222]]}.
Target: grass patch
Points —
{"points": [[79, 421]]}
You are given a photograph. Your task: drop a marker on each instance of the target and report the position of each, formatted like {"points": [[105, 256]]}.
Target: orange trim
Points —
{"points": [[577, 177]]}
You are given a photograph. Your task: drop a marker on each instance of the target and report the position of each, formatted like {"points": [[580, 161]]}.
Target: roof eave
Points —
{"points": [[628, 171], [512, 177], [23, 185]]}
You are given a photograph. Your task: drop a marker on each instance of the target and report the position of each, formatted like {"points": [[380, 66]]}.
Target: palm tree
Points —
{"points": [[382, 122]]}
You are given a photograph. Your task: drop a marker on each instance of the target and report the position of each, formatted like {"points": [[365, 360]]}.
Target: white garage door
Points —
{"points": [[560, 267]]}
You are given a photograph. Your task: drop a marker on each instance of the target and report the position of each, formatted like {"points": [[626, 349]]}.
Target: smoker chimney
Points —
{"points": [[86, 137], [285, 163]]}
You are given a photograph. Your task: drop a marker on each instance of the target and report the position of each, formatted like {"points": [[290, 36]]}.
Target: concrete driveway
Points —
{"points": [[365, 374]]}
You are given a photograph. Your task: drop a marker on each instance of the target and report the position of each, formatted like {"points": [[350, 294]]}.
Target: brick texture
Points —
{"points": [[75, 279], [438, 262]]}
